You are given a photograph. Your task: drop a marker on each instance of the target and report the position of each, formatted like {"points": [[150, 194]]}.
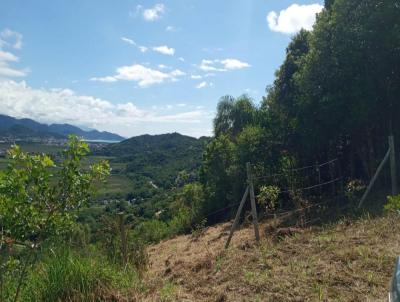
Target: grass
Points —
{"points": [[345, 261], [69, 276]]}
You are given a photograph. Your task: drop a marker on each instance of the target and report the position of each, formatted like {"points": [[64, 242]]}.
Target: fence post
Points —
{"points": [[253, 201], [124, 250], [393, 167], [236, 221], [371, 183]]}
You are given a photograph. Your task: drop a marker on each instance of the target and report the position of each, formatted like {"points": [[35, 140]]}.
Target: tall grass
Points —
{"points": [[65, 275]]}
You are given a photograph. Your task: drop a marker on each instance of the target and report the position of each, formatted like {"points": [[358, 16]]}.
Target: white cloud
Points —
{"points": [[143, 48], [231, 64], [177, 73], [164, 50], [7, 56], [154, 13], [294, 18], [65, 106], [10, 38], [222, 65], [129, 41], [196, 77], [181, 105], [204, 84], [143, 75], [201, 85], [108, 79], [208, 65]]}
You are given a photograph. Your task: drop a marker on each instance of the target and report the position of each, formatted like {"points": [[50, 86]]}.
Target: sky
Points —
{"points": [[141, 67]]}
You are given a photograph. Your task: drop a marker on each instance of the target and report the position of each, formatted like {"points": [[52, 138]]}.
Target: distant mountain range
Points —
{"points": [[29, 129]]}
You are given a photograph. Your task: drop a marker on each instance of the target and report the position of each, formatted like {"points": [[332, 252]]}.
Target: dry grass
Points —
{"points": [[348, 261]]}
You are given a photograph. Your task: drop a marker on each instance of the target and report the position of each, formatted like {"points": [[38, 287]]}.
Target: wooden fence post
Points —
{"points": [[237, 217], [393, 167], [253, 201], [371, 183], [124, 249]]}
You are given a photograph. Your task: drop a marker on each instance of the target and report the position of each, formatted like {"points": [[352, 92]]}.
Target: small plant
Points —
{"points": [[393, 204], [268, 197]]}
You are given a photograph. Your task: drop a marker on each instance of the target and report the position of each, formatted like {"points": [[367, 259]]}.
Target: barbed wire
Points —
{"points": [[280, 192], [316, 166]]}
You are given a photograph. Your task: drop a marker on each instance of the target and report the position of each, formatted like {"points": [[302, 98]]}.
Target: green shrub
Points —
{"points": [[268, 197], [393, 204], [152, 231]]}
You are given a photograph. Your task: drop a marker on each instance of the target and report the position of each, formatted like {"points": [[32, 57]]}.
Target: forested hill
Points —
{"points": [[159, 157], [11, 127]]}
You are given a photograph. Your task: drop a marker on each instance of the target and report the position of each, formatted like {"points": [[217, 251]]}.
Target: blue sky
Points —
{"points": [[136, 67]]}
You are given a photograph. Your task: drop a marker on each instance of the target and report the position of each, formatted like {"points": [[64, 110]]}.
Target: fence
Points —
{"points": [[329, 177], [322, 178]]}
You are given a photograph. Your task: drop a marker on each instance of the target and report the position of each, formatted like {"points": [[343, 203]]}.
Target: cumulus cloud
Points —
{"points": [[196, 77], [66, 106], [294, 18], [222, 65], [11, 40], [142, 75], [165, 50], [154, 13]]}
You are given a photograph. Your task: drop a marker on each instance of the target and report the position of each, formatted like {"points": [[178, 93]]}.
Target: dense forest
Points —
{"points": [[334, 96]]}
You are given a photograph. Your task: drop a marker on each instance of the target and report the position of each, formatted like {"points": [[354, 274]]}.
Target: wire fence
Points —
{"points": [[324, 178]]}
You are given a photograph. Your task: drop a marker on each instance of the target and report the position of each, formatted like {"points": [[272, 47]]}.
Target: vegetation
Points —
{"points": [[334, 96], [35, 209]]}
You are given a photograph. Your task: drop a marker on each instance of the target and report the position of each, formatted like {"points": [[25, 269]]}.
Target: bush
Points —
{"points": [[393, 204], [268, 197], [152, 231]]}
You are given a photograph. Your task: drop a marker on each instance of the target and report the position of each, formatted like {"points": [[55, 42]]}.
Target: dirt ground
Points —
{"points": [[346, 261]]}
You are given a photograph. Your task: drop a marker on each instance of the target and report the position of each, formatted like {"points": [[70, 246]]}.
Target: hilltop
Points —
{"points": [[159, 158]]}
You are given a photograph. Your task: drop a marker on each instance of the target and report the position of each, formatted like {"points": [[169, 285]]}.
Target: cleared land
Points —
{"points": [[346, 261]]}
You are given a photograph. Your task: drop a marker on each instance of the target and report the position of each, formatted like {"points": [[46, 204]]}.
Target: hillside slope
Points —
{"points": [[348, 261], [158, 157]]}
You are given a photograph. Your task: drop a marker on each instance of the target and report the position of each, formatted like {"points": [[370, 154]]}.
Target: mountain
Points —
{"points": [[28, 129], [159, 158]]}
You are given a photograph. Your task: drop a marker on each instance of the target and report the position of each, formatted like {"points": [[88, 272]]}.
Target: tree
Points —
{"points": [[39, 200], [233, 115]]}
